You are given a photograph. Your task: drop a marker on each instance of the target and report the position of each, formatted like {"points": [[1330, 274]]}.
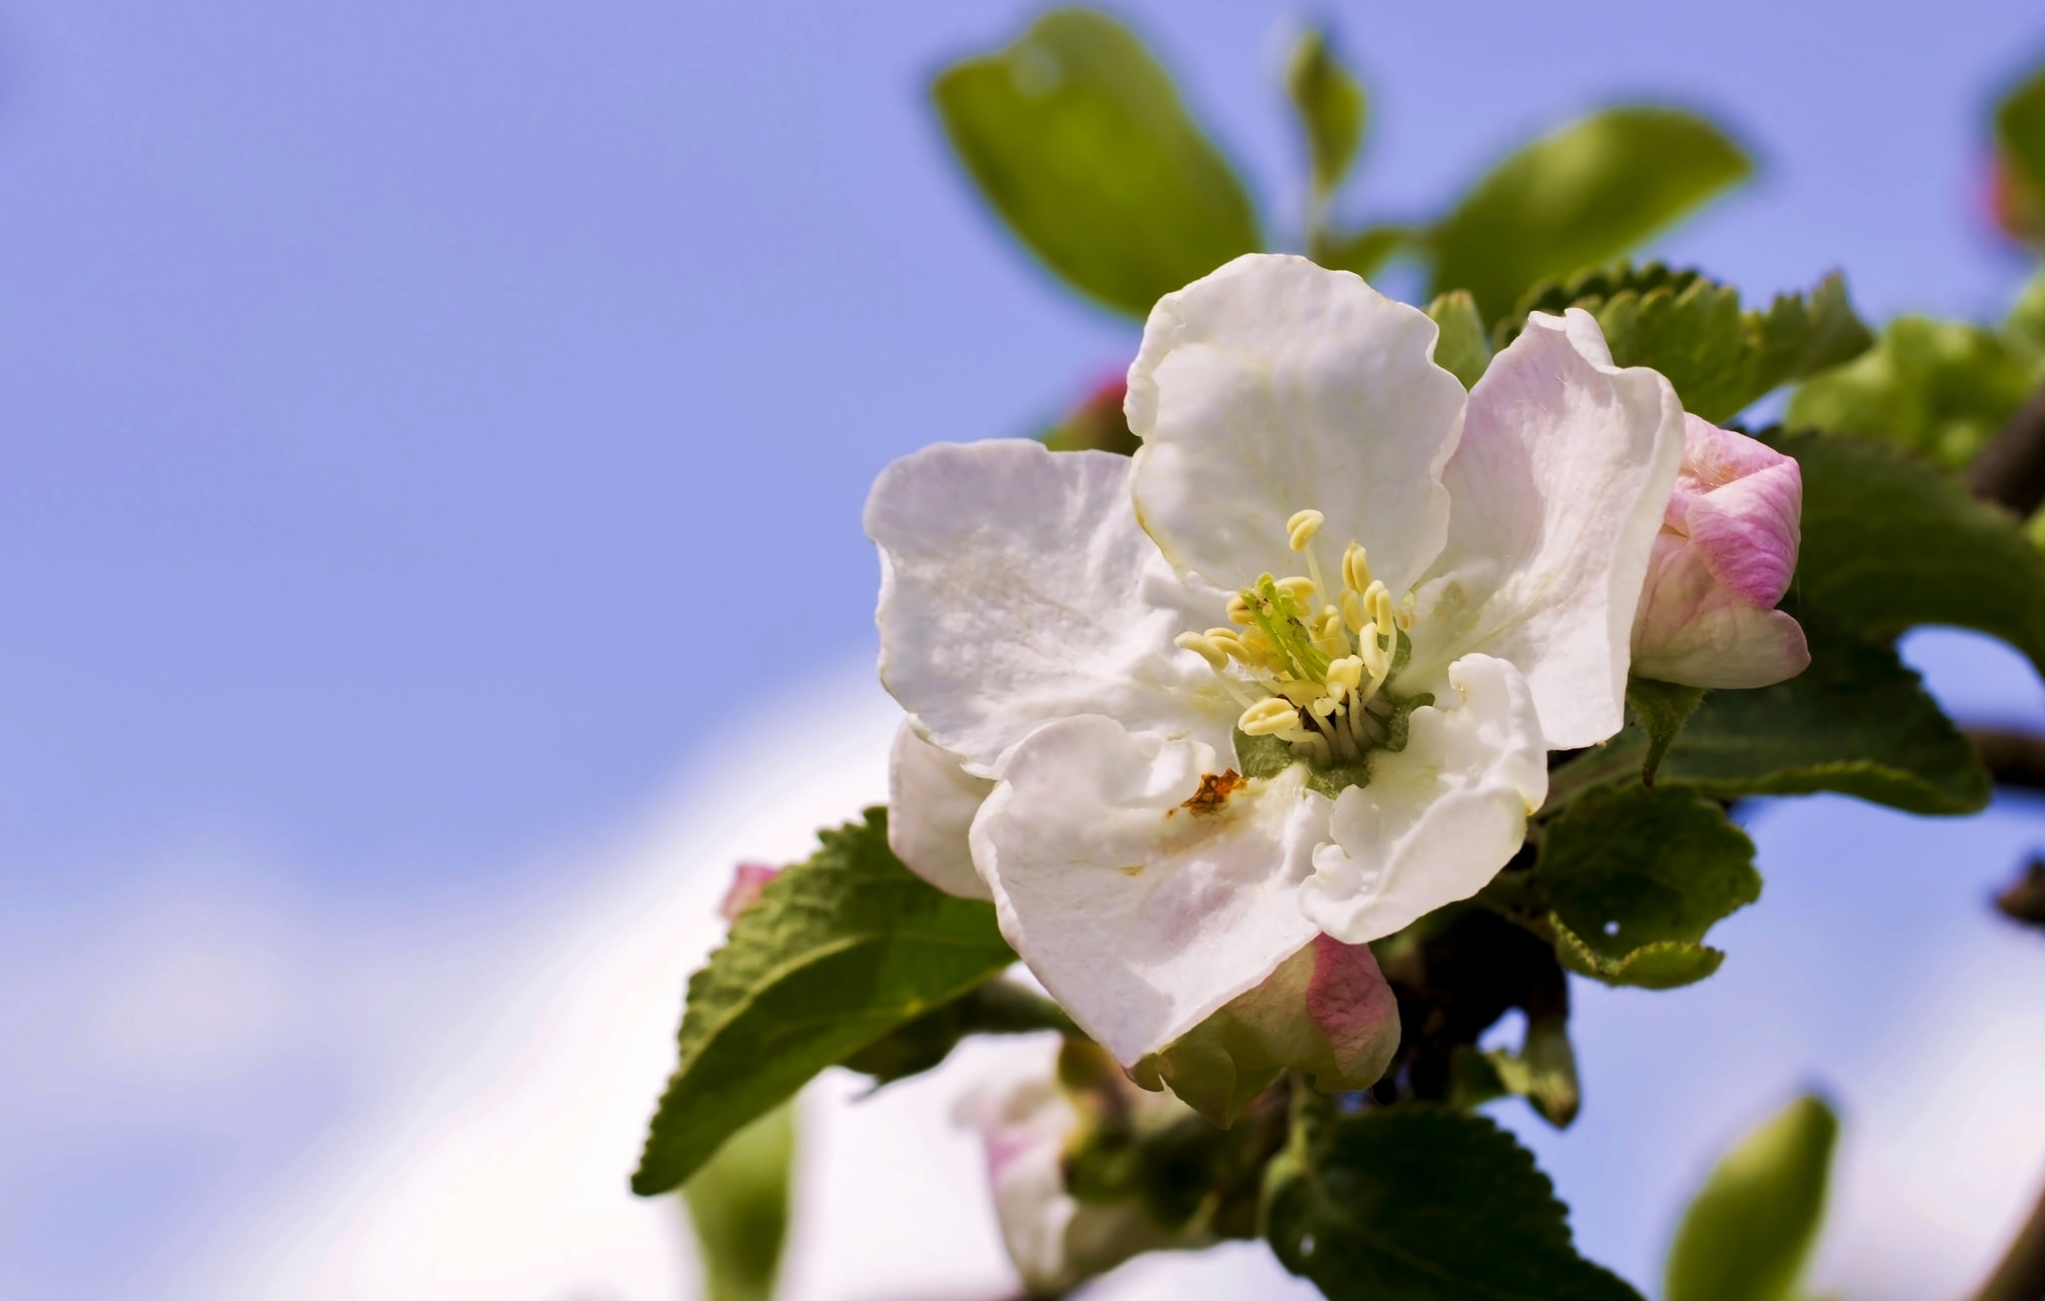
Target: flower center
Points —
{"points": [[1309, 662]]}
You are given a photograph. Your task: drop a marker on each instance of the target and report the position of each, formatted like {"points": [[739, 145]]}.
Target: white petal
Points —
{"points": [[1273, 386], [931, 803], [1556, 493], [1143, 915], [1439, 818], [1017, 588]]}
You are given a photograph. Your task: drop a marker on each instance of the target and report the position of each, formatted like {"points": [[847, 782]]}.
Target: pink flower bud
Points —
{"points": [[1725, 556], [1030, 1121], [746, 883], [1326, 1011]]}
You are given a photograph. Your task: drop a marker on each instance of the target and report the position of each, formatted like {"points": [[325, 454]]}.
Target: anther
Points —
{"points": [[1269, 718], [1355, 568], [1300, 589], [1300, 529], [1239, 611], [1345, 674], [1204, 647]]}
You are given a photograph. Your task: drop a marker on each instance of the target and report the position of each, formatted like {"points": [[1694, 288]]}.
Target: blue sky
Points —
{"points": [[404, 404]]}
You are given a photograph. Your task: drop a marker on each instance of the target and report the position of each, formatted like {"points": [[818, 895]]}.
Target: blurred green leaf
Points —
{"points": [[738, 1205], [1582, 195], [1691, 329], [1635, 876], [1077, 137], [1462, 349], [1891, 543], [1751, 1227], [1416, 1203], [839, 950], [1543, 1072], [2020, 132], [1659, 709], [1940, 387], [1362, 251], [1331, 108], [1857, 721]]}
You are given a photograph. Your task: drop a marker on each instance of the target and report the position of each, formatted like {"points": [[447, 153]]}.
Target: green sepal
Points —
{"points": [[738, 1207], [1719, 358], [840, 950], [1423, 1203], [1749, 1231], [1462, 350], [1659, 709], [1582, 195], [1077, 137], [1634, 876]]}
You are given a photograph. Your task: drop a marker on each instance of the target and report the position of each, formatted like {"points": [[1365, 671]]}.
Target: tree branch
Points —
{"points": [[2013, 758], [2021, 1274], [2010, 471]]}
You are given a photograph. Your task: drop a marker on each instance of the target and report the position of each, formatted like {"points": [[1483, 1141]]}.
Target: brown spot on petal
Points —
{"points": [[1215, 788]]}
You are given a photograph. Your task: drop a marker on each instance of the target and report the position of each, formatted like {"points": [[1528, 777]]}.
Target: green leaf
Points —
{"points": [[1691, 329], [1417, 1203], [1750, 1229], [1660, 709], [1462, 349], [1331, 108], [1077, 137], [2020, 132], [1940, 387], [996, 1007], [1890, 543], [1581, 195], [1364, 251], [1543, 1072], [838, 951], [1635, 876], [1858, 721], [738, 1205]]}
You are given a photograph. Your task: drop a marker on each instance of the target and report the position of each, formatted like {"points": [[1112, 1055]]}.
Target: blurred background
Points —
{"points": [[405, 406]]}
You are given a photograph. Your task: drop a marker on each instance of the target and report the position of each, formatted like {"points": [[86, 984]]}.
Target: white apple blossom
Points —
{"points": [[1295, 667]]}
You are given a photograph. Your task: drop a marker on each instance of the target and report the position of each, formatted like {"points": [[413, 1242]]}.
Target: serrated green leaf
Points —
{"points": [[2020, 132], [1940, 387], [1659, 709], [1331, 109], [1750, 1229], [1462, 349], [839, 950], [1891, 543], [1543, 1072], [1719, 358], [1857, 721], [1635, 876], [1581, 195], [1417, 1203], [738, 1206], [1077, 137], [997, 1007], [1363, 251]]}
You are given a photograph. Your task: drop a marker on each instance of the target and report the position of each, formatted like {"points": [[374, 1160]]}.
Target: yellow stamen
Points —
{"points": [[1239, 611], [1345, 674], [1355, 569], [1300, 588], [1300, 529], [1205, 648], [1269, 718]]}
